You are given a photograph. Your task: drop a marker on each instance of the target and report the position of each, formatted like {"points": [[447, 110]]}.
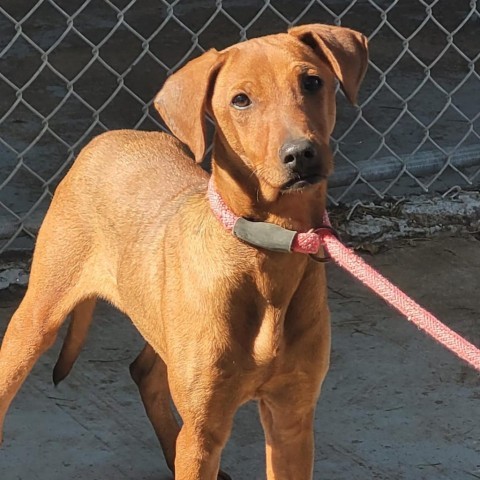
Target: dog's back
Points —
{"points": [[119, 192], [127, 174]]}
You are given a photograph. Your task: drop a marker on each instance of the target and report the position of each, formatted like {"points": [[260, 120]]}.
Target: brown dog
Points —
{"points": [[225, 322]]}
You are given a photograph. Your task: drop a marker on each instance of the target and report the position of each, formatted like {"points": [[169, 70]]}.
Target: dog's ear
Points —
{"points": [[344, 50], [182, 101]]}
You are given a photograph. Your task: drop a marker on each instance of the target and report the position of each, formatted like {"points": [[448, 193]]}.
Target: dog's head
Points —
{"points": [[273, 100]]}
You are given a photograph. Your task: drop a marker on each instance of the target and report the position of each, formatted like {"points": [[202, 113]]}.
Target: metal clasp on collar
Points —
{"points": [[327, 257]]}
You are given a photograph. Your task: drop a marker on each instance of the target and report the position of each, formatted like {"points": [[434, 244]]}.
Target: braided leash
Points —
{"points": [[420, 317]]}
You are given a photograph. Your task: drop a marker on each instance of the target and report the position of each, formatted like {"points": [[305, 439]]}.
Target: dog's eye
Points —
{"points": [[241, 101], [312, 83]]}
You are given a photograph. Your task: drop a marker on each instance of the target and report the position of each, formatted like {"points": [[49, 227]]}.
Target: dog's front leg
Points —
{"points": [[150, 374], [199, 448], [289, 440], [207, 404]]}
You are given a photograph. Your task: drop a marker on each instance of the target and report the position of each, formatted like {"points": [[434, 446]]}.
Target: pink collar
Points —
{"points": [[267, 235]]}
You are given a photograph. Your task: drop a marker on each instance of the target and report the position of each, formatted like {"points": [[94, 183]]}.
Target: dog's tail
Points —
{"points": [[73, 343]]}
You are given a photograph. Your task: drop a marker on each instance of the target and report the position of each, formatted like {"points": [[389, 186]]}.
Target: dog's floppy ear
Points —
{"points": [[345, 51], [183, 99]]}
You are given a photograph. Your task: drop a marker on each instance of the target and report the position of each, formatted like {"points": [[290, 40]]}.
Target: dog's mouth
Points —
{"points": [[301, 182]]}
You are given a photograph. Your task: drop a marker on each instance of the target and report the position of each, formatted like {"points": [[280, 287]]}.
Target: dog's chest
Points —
{"points": [[275, 290], [268, 340]]}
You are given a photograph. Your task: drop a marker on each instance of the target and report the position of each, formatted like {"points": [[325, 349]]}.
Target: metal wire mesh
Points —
{"points": [[70, 69]]}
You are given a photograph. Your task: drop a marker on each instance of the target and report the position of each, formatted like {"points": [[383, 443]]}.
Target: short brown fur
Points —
{"points": [[224, 322]]}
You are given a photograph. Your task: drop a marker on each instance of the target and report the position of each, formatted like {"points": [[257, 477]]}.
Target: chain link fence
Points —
{"points": [[70, 69]]}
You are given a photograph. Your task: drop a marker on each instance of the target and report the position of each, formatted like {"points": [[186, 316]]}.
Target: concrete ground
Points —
{"points": [[395, 405]]}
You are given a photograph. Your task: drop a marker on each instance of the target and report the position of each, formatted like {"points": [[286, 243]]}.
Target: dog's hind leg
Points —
{"points": [[150, 374], [31, 331], [73, 343], [56, 285]]}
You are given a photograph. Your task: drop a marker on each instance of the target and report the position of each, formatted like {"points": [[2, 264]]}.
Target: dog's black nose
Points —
{"points": [[296, 154]]}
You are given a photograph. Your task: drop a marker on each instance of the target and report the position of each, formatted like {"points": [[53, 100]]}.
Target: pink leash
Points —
{"points": [[403, 303], [310, 242]]}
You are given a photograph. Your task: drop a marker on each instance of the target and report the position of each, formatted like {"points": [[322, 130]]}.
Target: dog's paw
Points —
{"points": [[223, 476]]}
